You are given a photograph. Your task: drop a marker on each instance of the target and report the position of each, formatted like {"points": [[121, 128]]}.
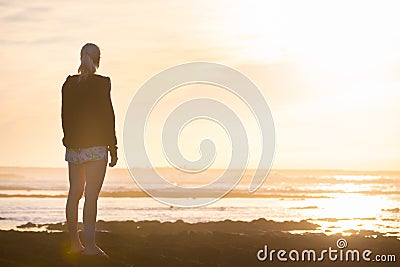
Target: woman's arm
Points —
{"points": [[110, 119], [64, 108]]}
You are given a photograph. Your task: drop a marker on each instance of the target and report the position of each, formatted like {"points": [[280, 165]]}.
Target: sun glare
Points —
{"points": [[353, 206], [347, 214]]}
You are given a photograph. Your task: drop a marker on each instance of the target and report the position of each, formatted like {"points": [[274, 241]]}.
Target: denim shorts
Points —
{"points": [[82, 155]]}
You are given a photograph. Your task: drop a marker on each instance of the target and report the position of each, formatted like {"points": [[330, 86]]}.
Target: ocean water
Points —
{"points": [[338, 201]]}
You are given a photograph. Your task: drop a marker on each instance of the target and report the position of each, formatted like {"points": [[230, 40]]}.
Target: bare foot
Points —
{"points": [[94, 251]]}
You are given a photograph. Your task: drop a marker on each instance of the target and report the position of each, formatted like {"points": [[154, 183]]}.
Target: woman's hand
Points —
{"points": [[113, 161], [113, 154]]}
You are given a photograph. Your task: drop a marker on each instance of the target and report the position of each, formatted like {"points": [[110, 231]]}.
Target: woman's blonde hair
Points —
{"points": [[90, 60]]}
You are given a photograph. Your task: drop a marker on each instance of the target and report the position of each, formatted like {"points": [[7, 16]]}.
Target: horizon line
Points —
{"points": [[271, 169]]}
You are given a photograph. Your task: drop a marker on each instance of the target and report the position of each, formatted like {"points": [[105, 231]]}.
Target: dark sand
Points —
{"points": [[176, 244]]}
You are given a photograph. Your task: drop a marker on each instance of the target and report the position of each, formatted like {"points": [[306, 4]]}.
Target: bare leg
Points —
{"points": [[76, 185], [95, 172]]}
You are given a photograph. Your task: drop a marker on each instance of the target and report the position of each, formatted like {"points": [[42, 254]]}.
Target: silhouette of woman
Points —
{"points": [[88, 124]]}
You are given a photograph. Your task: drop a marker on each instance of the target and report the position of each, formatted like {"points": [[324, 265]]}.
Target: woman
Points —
{"points": [[88, 123]]}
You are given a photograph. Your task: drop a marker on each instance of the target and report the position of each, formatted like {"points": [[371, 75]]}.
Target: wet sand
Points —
{"points": [[151, 243]]}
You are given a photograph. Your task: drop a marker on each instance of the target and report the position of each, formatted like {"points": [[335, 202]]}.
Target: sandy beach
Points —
{"points": [[151, 243]]}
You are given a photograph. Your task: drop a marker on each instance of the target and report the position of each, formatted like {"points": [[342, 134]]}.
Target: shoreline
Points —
{"points": [[307, 225], [301, 227]]}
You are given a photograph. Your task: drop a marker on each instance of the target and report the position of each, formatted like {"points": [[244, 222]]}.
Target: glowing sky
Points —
{"points": [[330, 71]]}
